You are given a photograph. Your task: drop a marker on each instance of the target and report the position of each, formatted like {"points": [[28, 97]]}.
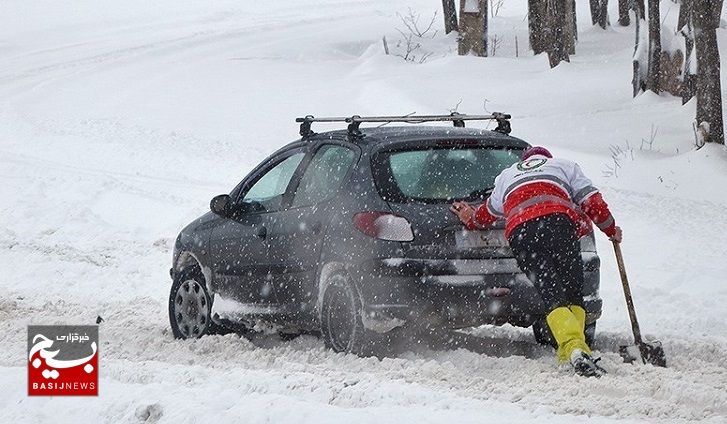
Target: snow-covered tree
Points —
{"points": [[706, 16], [537, 25], [685, 26], [552, 29], [653, 73], [450, 16], [558, 50], [473, 27], [642, 54], [599, 13], [623, 12]]}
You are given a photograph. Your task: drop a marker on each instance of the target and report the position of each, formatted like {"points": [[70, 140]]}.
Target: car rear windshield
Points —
{"points": [[440, 174]]}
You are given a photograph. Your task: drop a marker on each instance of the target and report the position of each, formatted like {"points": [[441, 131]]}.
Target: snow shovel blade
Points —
{"points": [[649, 352], [653, 353], [646, 352]]}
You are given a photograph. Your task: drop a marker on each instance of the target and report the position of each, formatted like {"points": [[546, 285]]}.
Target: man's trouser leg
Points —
{"points": [[580, 314], [548, 252]]}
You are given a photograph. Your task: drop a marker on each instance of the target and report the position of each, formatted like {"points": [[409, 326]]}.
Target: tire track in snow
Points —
{"points": [[303, 369]]}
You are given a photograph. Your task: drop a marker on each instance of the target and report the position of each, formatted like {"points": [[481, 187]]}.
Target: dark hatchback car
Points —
{"points": [[348, 234]]}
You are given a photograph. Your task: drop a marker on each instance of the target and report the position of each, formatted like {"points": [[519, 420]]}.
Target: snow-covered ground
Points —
{"points": [[120, 120]]}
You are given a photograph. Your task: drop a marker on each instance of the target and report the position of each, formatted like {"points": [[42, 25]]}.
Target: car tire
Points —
{"points": [[544, 336], [190, 306], [342, 327], [590, 332]]}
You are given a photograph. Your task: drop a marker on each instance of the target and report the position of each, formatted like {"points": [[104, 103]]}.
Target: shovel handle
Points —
{"points": [[627, 293]]}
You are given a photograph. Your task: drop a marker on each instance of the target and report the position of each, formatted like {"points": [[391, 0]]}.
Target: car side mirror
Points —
{"points": [[221, 205]]}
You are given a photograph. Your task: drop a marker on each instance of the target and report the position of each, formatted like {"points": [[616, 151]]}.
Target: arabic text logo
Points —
{"points": [[62, 360]]}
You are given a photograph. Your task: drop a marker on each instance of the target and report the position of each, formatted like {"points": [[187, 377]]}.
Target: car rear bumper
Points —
{"points": [[458, 293]]}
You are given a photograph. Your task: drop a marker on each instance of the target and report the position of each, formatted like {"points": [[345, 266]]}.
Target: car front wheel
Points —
{"points": [[190, 306]]}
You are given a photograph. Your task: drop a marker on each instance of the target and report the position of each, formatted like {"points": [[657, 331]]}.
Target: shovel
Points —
{"points": [[649, 352]]}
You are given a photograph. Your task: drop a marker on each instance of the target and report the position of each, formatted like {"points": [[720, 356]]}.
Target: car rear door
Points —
{"points": [[298, 232]]}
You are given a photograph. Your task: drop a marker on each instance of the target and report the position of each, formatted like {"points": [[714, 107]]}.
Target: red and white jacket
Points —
{"points": [[541, 186]]}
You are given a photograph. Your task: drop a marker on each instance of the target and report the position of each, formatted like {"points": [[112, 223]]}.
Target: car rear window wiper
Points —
{"points": [[481, 193]]}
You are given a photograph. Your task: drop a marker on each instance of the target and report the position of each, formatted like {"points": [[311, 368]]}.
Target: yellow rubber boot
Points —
{"points": [[567, 329]]}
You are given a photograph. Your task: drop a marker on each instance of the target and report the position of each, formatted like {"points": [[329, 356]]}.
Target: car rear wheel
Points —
{"points": [[342, 326], [190, 306]]}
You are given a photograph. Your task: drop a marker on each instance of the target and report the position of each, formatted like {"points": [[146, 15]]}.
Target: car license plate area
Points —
{"points": [[465, 239]]}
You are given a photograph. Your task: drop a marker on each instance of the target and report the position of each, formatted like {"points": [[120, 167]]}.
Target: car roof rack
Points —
{"points": [[503, 123]]}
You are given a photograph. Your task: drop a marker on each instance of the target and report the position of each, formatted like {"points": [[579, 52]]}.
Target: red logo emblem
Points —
{"points": [[62, 360]]}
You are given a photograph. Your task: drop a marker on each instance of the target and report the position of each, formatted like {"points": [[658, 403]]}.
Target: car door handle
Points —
{"points": [[316, 227], [261, 232]]}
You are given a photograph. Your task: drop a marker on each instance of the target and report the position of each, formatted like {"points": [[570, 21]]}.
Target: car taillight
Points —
{"points": [[384, 226]]}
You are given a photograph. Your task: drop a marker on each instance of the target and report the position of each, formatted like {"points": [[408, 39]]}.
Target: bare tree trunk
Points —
{"points": [[641, 58], [685, 13], [536, 25], [653, 73], [709, 92], [472, 24], [485, 21], [558, 48], [623, 13], [570, 27], [686, 27], [575, 24], [599, 12], [449, 9], [603, 14], [595, 9], [553, 29]]}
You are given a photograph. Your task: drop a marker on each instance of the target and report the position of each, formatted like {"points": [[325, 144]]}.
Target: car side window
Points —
{"points": [[324, 175], [266, 194]]}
